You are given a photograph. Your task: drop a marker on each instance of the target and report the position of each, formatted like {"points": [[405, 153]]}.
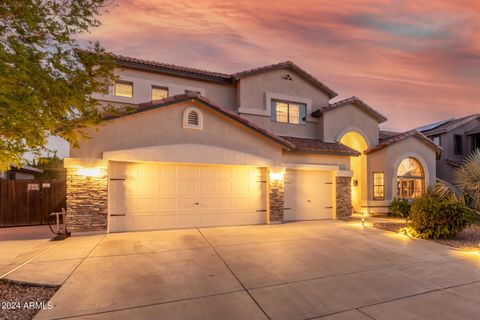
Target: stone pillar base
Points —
{"points": [[276, 200], [343, 197], [87, 201]]}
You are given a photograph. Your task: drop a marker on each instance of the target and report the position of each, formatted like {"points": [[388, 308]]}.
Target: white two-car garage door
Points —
{"points": [[147, 196], [308, 195]]}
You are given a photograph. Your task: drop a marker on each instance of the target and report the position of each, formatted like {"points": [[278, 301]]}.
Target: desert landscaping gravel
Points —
{"points": [[23, 301], [468, 239]]}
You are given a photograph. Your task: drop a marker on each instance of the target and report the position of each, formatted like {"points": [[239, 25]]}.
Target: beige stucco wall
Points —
{"points": [[164, 127], [309, 130], [305, 158], [223, 94], [388, 159], [256, 92], [350, 117]]}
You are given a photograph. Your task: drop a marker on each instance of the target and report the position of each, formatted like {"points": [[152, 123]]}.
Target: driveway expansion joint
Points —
{"points": [[234, 275]]}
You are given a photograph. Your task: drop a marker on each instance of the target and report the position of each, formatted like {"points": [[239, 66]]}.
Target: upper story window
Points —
{"points": [[123, 89], [288, 112], [192, 118], [436, 140], [458, 144], [159, 93]]}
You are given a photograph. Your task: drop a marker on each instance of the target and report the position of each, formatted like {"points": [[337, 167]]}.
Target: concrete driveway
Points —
{"points": [[306, 270]]}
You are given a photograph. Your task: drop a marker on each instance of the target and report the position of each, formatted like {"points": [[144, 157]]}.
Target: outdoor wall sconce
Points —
{"points": [[277, 174]]}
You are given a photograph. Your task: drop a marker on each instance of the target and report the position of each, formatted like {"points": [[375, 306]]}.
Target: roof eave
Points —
{"points": [[159, 69]]}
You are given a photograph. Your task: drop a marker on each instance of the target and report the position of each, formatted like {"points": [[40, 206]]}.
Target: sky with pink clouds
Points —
{"points": [[414, 61]]}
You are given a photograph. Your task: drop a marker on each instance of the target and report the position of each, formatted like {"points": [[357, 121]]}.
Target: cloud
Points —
{"points": [[410, 59]]}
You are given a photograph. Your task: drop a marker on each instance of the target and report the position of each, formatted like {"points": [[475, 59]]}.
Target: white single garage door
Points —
{"points": [[308, 195], [148, 196]]}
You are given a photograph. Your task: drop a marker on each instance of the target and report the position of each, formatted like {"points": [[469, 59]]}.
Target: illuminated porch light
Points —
{"points": [[277, 174], [89, 172]]}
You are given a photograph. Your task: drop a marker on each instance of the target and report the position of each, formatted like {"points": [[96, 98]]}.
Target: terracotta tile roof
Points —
{"points": [[384, 134], [447, 125], [318, 146], [159, 66], [289, 65], [381, 118], [193, 96], [402, 136]]}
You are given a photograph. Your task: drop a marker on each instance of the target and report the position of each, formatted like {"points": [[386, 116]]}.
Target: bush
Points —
{"points": [[433, 218], [400, 208]]}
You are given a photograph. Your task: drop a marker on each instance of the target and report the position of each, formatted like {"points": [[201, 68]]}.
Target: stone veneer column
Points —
{"points": [[87, 201], [276, 200], [343, 197]]}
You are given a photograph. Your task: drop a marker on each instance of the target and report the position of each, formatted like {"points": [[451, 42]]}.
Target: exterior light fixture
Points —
{"points": [[277, 174], [89, 172]]}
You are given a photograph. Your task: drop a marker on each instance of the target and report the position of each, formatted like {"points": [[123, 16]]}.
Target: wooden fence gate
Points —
{"points": [[29, 202]]}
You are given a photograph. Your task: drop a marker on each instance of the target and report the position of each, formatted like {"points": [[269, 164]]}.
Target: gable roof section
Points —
{"points": [[352, 100], [150, 65], [402, 136], [318, 146], [287, 65], [384, 134], [447, 125], [206, 102]]}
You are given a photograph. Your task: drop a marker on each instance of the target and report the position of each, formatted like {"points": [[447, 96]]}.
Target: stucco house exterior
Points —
{"points": [[200, 148], [457, 137]]}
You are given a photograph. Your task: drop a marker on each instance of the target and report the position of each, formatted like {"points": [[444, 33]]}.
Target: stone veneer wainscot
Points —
{"points": [[87, 202], [343, 197]]}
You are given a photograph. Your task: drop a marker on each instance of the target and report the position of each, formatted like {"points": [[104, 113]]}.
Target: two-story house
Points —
{"points": [[202, 148], [457, 137]]}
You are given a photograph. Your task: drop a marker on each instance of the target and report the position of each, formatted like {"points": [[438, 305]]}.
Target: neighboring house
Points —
{"points": [[266, 145], [458, 138], [23, 173]]}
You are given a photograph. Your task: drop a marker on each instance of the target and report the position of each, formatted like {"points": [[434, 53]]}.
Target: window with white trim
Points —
{"points": [[159, 93], [123, 89], [288, 112], [378, 186], [192, 118]]}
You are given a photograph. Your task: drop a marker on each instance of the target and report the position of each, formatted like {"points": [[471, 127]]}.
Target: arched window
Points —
{"points": [[192, 118], [410, 179]]}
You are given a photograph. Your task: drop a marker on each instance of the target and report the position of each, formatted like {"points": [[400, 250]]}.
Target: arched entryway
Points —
{"points": [[410, 179], [358, 165]]}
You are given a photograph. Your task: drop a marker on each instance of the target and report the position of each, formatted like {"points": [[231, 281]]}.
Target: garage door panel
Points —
{"points": [[167, 187], [308, 195], [225, 195]]}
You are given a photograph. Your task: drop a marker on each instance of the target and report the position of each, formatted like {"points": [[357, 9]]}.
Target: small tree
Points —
{"points": [[46, 83], [52, 167], [466, 183]]}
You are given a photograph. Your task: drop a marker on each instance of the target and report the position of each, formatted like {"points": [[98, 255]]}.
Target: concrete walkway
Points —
{"points": [[306, 270]]}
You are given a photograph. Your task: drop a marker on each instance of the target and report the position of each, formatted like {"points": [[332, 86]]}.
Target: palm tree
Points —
{"points": [[466, 183]]}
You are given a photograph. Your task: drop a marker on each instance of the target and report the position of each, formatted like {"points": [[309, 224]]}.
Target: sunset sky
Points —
{"points": [[414, 61]]}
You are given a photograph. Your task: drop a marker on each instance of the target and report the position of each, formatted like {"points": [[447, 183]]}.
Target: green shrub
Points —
{"points": [[433, 218], [400, 208]]}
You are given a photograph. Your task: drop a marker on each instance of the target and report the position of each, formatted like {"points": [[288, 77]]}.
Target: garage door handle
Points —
{"points": [[309, 201], [262, 210], [328, 207], [196, 203], [118, 215]]}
